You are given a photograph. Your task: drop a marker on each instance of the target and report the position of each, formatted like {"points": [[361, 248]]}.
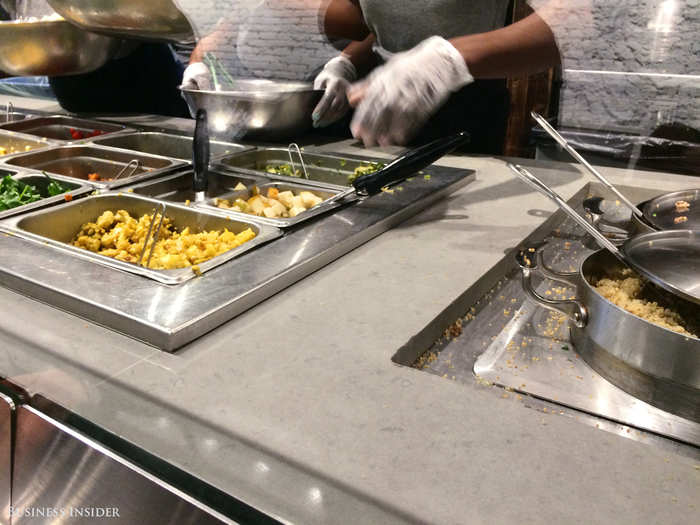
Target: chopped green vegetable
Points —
{"points": [[365, 169], [426, 177], [343, 162], [565, 347], [283, 169], [14, 193]]}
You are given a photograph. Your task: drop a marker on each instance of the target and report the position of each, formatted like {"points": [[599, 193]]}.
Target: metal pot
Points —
{"points": [[658, 214], [656, 365]]}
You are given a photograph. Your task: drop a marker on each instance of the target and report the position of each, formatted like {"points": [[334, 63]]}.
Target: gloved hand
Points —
{"points": [[197, 76], [399, 97], [335, 78]]}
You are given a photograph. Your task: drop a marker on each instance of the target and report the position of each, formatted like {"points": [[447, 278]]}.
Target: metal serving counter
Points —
{"points": [[296, 408], [169, 317]]}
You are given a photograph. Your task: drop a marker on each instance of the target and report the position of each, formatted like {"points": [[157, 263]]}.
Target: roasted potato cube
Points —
{"points": [[286, 198]]}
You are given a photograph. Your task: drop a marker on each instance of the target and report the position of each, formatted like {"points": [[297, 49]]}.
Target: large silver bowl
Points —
{"points": [[151, 20], [52, 48], [262, 109]]}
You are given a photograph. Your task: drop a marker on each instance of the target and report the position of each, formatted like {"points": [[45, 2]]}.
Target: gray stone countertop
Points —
{"points": [[296, 407]]}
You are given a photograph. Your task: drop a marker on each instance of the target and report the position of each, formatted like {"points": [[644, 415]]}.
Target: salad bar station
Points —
{"points": [[183, 266]]}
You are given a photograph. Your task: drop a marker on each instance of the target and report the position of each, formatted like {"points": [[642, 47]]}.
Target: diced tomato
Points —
{"points": [[93, 176], [68, 197]]}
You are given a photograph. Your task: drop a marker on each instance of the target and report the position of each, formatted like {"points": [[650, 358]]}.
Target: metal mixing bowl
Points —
{"points": [[262, 109], [52, 48], [151, 20]]}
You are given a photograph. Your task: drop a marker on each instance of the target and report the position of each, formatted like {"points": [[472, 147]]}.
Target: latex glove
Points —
{"points": [[197, 76], [335, 78], [399, 97]]}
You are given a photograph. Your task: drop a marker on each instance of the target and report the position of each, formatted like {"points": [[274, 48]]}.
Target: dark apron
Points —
{"points": [[481, 108], [145, 81]]}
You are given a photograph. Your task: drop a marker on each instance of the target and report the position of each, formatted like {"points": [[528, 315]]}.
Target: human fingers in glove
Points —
{"points": [[197, 76], [397, 99], [335, 79]]}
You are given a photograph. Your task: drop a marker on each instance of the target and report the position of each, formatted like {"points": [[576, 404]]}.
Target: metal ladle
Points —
{"points": [[669, 259], [575, 154]]}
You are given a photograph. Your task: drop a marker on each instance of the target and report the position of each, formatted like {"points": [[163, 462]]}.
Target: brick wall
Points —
{"points": [[275, 39], [629, 65]]}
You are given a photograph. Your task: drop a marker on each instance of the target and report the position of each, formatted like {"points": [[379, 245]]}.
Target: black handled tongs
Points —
{"points": [[408, 164], [200, 156]]}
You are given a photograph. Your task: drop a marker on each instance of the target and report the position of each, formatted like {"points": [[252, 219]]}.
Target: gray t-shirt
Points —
{"points": [[401, 24]]}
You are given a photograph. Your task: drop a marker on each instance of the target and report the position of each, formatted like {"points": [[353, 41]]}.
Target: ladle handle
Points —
{"points": [[200, 151], [575, 154], [540, 186]]}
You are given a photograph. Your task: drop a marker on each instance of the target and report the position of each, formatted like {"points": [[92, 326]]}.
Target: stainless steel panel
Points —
{"points": [[79, 161], [58, 127], [61, 475], [40, 182], [7, 409], [169, 317], [166, 145], [57, 227], [320, 167], [11, 143]]}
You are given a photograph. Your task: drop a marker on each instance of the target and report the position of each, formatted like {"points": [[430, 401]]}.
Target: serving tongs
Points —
{"points": [[134, 164], [294, 147], [401, 168], [159, 209], [200, 156], [668, 259]]}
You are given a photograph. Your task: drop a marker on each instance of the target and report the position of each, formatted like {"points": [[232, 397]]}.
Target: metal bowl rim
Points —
{"points": [[586, 282]]}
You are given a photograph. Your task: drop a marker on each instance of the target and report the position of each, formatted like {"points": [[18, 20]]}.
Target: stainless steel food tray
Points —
{"points": [[57, 128], [76, 189], [171, 316], [281, 222], [323, 168], [166, 145], [178, 188], [12, 143], [13, 116], [77, 161], [57, 227]]}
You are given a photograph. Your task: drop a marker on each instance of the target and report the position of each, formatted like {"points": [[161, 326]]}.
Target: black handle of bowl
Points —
{"points": [[200, 151], [409, 163]]}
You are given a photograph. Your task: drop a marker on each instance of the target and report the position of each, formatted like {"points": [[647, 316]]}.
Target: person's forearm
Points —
{"points": [[525, 47], [343, 19], [361, 55]]}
